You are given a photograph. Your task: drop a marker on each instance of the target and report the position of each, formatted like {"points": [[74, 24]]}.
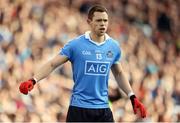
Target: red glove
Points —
{"points": [[138, 105], [27, 86]]}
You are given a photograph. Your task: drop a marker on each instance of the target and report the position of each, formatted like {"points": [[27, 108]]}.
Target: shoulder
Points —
{"points": [[114, 42], [76, 40]]}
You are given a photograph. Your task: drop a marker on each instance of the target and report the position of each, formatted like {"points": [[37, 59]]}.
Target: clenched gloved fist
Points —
{"points": [[27, 86], [137, 105]]}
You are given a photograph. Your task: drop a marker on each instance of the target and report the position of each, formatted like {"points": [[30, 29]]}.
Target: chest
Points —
{"points": [[94, 60], [105, 54]]}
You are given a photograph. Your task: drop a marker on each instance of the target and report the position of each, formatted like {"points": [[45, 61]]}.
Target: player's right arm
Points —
{"points": [[43, 72], [46, 69]]}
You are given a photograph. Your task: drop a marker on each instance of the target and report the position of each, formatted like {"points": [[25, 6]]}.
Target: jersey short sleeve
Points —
{"points": [[67, 50], [118, 53]]}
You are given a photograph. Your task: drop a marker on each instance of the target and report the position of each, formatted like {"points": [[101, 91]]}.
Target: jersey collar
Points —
{"points": [[87, 36]]}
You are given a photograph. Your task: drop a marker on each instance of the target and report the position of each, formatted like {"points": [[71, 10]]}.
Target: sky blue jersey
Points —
{"points": [[91, 63]]}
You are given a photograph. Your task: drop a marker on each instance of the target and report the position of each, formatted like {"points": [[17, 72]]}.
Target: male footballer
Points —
{"points": [[92, 56]]}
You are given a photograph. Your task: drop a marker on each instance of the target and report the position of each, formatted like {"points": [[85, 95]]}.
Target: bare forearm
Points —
{"points": [[121, 79], [123, 83], [44, 71]]}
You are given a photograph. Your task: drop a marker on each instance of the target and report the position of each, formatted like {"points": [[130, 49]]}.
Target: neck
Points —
{"points": [[97, 38]]}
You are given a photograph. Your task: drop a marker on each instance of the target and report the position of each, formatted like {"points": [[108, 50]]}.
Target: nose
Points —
{"points": [[102, 23]]}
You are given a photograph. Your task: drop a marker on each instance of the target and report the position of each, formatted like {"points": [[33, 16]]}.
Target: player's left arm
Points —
{"points": [[124, 84], [122, 81]]}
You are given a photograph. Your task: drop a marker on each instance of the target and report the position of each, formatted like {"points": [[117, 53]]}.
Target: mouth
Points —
{"points": [[102, 29]]}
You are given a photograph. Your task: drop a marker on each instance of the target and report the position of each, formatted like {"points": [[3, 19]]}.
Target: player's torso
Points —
{"points": [[91, 65]]}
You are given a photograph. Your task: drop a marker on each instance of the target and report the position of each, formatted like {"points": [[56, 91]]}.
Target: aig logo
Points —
{"points": [[96, 68]]}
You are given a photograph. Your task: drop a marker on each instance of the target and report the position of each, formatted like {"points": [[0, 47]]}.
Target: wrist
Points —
{"points": [[33, 81], [130, 94], [132, 97]]}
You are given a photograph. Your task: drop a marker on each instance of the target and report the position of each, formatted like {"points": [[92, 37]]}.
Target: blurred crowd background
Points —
{"points": [[33, 31]]}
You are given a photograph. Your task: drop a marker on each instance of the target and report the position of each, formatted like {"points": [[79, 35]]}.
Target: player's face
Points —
{"points": [[99, 23]]}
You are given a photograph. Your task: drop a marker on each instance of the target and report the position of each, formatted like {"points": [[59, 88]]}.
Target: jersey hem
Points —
{"points": [[91, 106]]}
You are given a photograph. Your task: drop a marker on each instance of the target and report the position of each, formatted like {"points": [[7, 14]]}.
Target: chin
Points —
{"points": [[101, 34]]}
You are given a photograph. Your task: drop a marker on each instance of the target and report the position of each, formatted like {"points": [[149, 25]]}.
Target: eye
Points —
{"points": [[99, 20]]}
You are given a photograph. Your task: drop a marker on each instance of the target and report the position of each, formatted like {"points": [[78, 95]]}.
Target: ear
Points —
{"points": [[88, 21]]}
